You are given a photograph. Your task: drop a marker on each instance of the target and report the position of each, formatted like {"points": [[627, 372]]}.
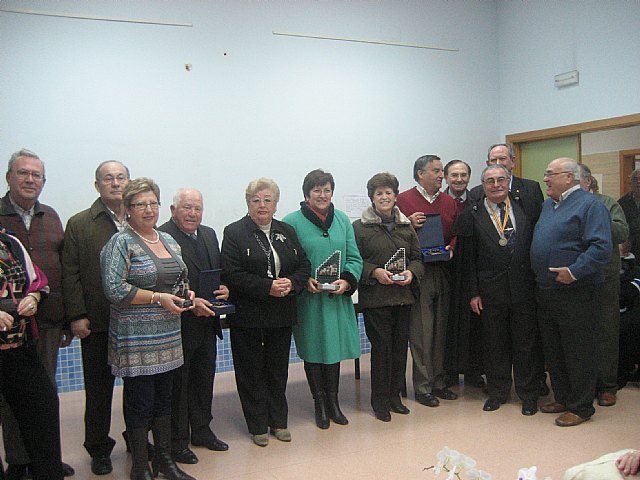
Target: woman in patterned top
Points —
{"points": [[144, 279]]}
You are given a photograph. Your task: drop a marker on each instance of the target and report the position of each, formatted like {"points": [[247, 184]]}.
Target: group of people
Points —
{"points": [[525, 276]]}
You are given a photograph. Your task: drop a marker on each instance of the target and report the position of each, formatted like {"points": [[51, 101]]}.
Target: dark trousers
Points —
{"points": [[147, 397], [609, 335], [509, 332], [28, 390], [261, 364], [98, 387], [193, 385], [568, 324], [388, 331]]}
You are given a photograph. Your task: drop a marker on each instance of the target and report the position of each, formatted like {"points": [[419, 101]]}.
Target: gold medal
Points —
{"points": [[502, 242]]}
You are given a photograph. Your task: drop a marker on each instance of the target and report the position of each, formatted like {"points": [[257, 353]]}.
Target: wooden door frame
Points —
{"points": [[624, 172], [517, 139]]}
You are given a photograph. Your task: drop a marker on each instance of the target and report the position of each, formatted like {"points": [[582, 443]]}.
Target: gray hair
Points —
{"points": [[508, 146], [177, 197], [262, 184], [585, 172], [110, 161], [569, 165], [23, 152], [421, 163], [495, 166]]}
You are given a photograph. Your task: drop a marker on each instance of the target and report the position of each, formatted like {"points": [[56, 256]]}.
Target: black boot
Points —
{"points": [[137, 440], [150, 451], [162, 461], [314, 377], [332, 378]]}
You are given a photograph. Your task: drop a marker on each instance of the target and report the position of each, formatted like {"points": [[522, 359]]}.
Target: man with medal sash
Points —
{"points": [[502, 289]]}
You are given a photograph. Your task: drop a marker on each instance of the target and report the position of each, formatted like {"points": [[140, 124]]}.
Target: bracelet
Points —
{"points": [[34, 297], [153, 294], [159, 302]]}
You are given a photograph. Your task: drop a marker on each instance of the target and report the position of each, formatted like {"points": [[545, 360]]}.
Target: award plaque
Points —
{"points": [[328, 272], [397, 264], [431, 240], [209, 282]]}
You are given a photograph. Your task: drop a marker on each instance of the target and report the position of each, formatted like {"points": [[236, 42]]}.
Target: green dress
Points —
{"points": [[327, 330]]}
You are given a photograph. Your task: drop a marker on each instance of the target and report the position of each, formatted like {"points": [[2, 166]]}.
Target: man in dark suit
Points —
{"points": [[502, 289], [193, 382]]}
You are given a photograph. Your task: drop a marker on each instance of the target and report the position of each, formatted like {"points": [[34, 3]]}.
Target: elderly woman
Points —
{"points": [[23, 380], [144, 279], [381, 232], [265, 269], [327, 331]]}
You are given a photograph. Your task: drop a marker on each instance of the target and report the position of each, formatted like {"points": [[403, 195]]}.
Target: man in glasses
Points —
{"points": [[630, 204], [570, 248], [193, 382], [39, 228], [87, 307]]}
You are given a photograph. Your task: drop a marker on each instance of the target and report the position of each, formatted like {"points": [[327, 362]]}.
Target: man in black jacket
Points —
{"points": [[193, 382]]}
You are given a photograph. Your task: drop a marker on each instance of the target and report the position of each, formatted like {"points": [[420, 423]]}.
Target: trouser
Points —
{"points": [[261, 363], [388, 331], [609, 336], [568, 323], [427, 330], [46, 348], [147, 397], [29, 392], [193, 386]]}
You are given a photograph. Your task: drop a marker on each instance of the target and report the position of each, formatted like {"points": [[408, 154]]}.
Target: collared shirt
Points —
{"points": [[461, 198], [428, 198], [565, 194], [26, 215], [120, 225], [493, 207]]}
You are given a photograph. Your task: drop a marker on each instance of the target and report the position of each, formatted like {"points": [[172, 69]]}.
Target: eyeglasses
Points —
{"points": [[142, 206], [191, 208], [107, 179], [320, 191], [258, 201], [24, 174], [551, 174], [463, 176], [496, 181]]}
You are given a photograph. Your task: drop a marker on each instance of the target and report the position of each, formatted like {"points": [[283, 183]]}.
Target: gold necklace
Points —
{"points": [[147, 240]]}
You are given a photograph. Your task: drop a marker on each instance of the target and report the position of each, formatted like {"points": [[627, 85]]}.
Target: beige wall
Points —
{"points": [[606, 164]]}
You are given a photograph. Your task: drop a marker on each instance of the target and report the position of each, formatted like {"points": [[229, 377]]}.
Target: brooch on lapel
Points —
{"points": [[280, 237]]}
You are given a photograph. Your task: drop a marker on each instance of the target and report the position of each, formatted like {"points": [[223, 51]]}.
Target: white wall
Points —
{"points": [[540, 39], [79, 92]]}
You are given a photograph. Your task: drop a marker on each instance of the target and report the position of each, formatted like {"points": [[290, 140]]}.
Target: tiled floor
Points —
{"points": [[501, 442]]}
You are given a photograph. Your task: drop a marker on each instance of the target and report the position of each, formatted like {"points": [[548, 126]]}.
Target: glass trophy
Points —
{"points": [[181, 289], [328, 272], [209, 282], [397, 264]]}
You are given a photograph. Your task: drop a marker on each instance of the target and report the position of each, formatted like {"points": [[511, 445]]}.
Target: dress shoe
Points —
{"points": [[606, 399], [398, 407], [17, 471], [491, 404], [67, 470], [262, 439], [209, 440], [444, 393], [186, 456], [529, 407], [428, 400], [553, 407], [282, 434], [568, 419], [383, 416], [101, 465]]}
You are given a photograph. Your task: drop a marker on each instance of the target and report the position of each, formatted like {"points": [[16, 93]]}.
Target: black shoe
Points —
{"points": [[398, 407], [491, 404], [428, 400], [529, 407], [17, 471], [383, 416], [67, 470], [101, 465], [185, 456], [210, 441], [444, 393]]}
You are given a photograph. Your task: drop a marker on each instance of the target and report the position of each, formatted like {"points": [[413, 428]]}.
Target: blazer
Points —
{"points": [[190, 257], [495, 273], [526, 193], [244, 266]]}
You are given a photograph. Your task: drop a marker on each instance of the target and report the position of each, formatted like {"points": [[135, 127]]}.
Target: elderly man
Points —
{"points": [[502, 289], [571, 246], [193, 384], [428, 321], [39, 229], [457, 175], [630, 204], [609, 318], [88, 308]]}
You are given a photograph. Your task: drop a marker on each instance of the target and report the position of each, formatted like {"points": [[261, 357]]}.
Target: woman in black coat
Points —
{"points": [[265, 269]]}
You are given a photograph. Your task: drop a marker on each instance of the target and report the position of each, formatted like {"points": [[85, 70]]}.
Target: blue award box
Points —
{"points": [[431, 240], [208, 282]]}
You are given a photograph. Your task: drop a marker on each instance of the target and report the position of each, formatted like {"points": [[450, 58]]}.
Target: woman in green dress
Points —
{"points": [[327, 330]]}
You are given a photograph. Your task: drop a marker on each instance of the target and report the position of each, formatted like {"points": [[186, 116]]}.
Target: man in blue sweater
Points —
{"points": [[571, 245]]}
